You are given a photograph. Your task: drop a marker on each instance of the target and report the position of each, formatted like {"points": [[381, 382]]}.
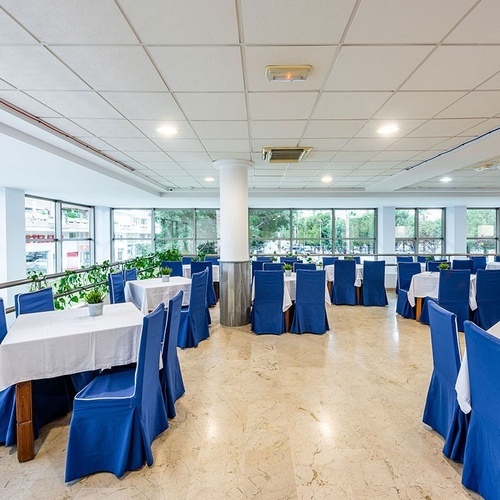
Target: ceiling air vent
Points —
{"points": [[284, 155]]}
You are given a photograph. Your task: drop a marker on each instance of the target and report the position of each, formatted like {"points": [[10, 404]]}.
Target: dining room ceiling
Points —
{"points": [[109, 74]]}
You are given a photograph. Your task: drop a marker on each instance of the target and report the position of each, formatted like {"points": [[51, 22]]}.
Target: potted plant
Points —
{"points": [[288, 269], [165, 273], [349, 257], [94, 298], [444, 265]]}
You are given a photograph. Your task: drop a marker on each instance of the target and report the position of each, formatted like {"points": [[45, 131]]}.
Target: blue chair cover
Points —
{"points": [[357, 259], [130, 274], [328, 261], [406, 271], [257, 265], [262, 258], [373, 289], [453, 295], [433, 265], [462, 264], [176, 267], [478, 262], [343, 290], [51, 399], [171, 381], [487, 298], [310, 310], [401, 258], [497, 258], [186, 260], [441, 411], [421, 259], [194, 322], [213, 258], [300, 265], [290, 260], [119, 414], [197, 267], [273, 266], [116, 285], [267, 314], [482, 450]]}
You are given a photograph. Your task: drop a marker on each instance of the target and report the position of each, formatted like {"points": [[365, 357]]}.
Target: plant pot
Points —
{"points": [[95, 309], [165, 277], [288, 272]]}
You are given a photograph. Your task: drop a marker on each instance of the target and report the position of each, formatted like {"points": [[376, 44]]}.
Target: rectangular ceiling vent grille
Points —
{"points": [[284, 155]]}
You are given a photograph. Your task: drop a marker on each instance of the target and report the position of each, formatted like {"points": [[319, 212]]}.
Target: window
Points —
{"points": [[355, 231], [207, 231], [132, 235], [269, 231], [482, 230], [420, 230], [312, 231], [76, 240]]}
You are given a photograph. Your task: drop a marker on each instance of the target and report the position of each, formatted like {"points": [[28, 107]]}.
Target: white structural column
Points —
{"points": [[456, 229], [234, 260], [386, 239]]}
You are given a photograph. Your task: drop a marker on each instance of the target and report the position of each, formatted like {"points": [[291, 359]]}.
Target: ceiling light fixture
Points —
{"points": [[326, 179], [388, 129], [167, 130], [446, 179], [209, 179], [288, 73]]}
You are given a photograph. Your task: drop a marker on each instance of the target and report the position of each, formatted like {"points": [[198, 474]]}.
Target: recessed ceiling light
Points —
{"points": [[388, 129], [288, 73], [326, 179], [167, 130], [209, 179], [446, 179]]}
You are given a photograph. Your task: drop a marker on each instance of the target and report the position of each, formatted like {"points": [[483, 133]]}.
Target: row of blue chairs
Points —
{"points": [[290, 260]]}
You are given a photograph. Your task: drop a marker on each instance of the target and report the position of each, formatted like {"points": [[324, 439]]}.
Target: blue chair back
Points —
{"points": [[300, 265], [33, 302], [404, 258], [497, 258], [487, 298], [213, 258], [433, 265], [357, 259], [373, 289], [328, 261], [343, 289], [262, 258], [3, 321], [482, 450], [130, 274], [421, 259], [267, 311], [478, 262], [257, 265], [453, 293], [116, 286], [176, 267], [406, 271], [171, 376], [197, 267], [310, 311], [290, 260], [462, 264], [272, 266]]}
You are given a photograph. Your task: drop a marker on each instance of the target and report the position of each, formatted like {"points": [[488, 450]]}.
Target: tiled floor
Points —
{"points": [[281, 417]]}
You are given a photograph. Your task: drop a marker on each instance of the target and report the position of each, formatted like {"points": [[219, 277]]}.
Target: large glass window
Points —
{"points": [[355, 231], [482, 230], [76, 236], [132, 234], [270, 231], [420, 230], [175, 229], [312, 231], [207, 231]]}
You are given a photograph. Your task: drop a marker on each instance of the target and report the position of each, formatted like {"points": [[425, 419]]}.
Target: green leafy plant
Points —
{"points": [[166, 271], [444, 265], [349, 257], [287, 267], [429, 257], [94, 296]]}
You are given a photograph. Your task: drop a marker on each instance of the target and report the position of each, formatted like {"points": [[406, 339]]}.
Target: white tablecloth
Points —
{"points": [[427, 285], [493, 265], [186, 272], [463, 385], [359, 274], [50, 344], [147, 294]]}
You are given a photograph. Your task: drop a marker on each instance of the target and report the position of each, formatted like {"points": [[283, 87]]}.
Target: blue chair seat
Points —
{"points": [[267, 314], [406, 271]]}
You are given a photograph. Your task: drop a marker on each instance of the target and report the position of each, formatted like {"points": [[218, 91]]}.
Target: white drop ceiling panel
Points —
{"points": [[349, 105], [415, 143], [133, 144], [324, 144], [323, 129], [5, 86], [492, 84], [12, 33], [450, 143], [163, 166], [259, 144], [369, 144], [227, 145], [281, 105], [483, 127], [375, 67], [354, 156], [216, 155], [118, 68], [69, 127], [28, 104], [183, 23], [446, 127], [171, 144], [109, 128], [189, 156], [274, 129], [150, 128], [342, 165], [190, 69], [221, 129], [395, 155], [102, 145], [149, 156], [479, 104], [404, 127], [213, 106]]}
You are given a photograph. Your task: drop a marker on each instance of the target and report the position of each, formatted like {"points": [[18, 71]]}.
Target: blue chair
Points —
{"points": [[267, 314], [310, 310], [119, 414], [466, 264], [257, 265], [453, 295], [482, 450], [478, 262], [186, 260], [130, 274], [33, 302], [300, 265], [406, 271], [441, 411], [328, 261], [176, 267], [497, 258], [373, 289], [7, 396], [357, 260], [421, 259], [290, 260], [487, 298], [262, 258], [116, 286], [273, 266], [172, 385], [198, 267], [433, 265], [343, 290], [401, 258], [194, 322], [213, 258]]}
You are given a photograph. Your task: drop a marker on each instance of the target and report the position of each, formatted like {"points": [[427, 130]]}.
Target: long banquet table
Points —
{"points": [[51, 344]]}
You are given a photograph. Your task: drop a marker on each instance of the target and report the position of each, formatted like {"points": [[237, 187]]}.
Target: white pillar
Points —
{"points": [[456, 229], [102, 227], [234, 251], [386, 241]]}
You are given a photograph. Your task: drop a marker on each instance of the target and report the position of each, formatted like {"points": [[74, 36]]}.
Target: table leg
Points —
{"points": [[216, 288], [329, 286], [418, 307], [288, 319], [358, 295], [24, 417]]}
